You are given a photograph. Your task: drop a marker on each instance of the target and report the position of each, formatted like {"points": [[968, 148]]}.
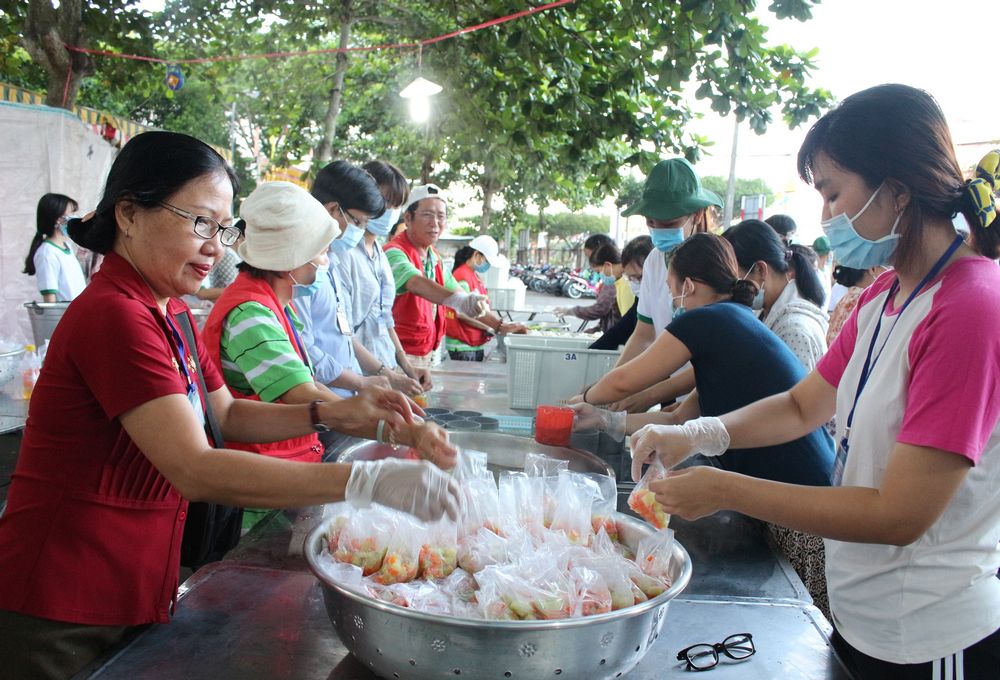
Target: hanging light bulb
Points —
{"points": [[419, 93]]}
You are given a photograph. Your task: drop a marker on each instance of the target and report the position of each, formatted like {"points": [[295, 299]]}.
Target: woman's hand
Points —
{"points": [[375, 381], [413, 486], [423, 376], [669, 443], [359, 414], [693, 492], [431, 442]]}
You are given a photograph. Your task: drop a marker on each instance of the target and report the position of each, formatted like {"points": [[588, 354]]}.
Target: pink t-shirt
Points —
{"points": [[953, 354], [937, 385]]}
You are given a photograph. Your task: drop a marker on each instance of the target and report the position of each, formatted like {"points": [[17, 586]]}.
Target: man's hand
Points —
{"points": [[506, 328], [358, 414], [375, 381], [424, 378], [403, 383]]}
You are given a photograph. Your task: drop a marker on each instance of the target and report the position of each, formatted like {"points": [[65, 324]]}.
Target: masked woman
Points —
{"points": [[912, 521]]}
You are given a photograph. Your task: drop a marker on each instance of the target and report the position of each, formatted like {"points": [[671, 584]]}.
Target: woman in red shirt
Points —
{"points": [[115, 444]]}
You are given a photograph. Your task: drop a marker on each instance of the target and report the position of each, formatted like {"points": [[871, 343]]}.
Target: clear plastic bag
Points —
{"points": [[439, 553], [643, 500], [401, 562], [362, 540], [540, 465], [654, 553], [522, 500], [605, 505], [591, 594], [480, 550], [480, 507], [574, 500]]}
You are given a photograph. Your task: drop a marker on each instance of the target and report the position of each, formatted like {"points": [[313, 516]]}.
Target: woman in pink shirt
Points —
{"points": [[912, 519]]}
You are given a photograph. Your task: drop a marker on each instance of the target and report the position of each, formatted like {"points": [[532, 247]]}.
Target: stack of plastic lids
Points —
{"points": [[520, 425]]}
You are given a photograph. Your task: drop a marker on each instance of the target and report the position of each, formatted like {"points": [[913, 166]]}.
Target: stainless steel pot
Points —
{"points": [[396, 642]]}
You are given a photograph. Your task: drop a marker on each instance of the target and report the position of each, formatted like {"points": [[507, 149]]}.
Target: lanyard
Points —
{"points": [[295, 335], [869, 365], [182, 367], [376, 263]]}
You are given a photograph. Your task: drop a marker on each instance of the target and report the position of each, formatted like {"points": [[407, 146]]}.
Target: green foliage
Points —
{"points": [[630, 192], [744, 187]]}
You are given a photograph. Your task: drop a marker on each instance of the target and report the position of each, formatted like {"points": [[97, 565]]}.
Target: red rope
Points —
{"points": [[69, 75], [333, 50]]}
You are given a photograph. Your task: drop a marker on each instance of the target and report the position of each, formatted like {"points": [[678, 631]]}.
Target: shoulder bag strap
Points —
{"points": [[212, 428]]}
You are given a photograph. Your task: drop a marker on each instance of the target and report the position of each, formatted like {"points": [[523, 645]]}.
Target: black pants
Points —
{"points": [[42, 649], [980, 661], [460, 355]]}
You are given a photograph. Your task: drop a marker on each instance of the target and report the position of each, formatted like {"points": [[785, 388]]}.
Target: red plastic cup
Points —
{"points": [[553, 425]]}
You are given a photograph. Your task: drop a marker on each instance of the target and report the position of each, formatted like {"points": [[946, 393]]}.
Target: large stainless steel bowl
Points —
{"points": [[396, 642]]}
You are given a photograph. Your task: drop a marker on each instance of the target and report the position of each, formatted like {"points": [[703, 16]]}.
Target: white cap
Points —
{"points": [[286, 227], [423, 191], [487, 245]]}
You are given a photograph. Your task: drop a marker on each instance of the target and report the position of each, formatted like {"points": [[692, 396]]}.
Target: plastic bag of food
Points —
{"points": [[574, 499], [460, 585], [490, 595], [402, 556], [540, 465], [522, 499], [605, 505], [614, 570], [439, 553], [362, 540], [480, 506], [654, 553], [591, 594], [480, 550], [333, 532], [504, 593], [347, 575], [471, 464], [643, 500], [428, 596]]}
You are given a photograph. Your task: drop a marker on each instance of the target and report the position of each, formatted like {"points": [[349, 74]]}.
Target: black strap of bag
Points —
{"points": [[211, 529]]}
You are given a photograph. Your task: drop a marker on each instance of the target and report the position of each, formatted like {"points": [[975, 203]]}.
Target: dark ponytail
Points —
{"points": [[462, 256], [755, 241], [710, 260], [51, 208], [150, 168], [848, 277]]}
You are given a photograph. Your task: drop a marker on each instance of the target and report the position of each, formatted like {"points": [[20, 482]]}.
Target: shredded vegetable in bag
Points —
{"points": [[574, 500], [362, 540], [401, 562], [643, 500], [439, 554]]}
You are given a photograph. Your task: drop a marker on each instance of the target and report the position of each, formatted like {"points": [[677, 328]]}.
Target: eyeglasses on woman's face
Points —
{"points": [[704, 656], [360, 223], [207, 227]]}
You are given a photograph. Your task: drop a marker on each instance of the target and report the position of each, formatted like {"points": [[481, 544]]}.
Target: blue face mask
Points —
{"points": [[678, 306], [382, 225], [300, 291], [482, 267], [608, 280], [667, 239], [854, 250]]}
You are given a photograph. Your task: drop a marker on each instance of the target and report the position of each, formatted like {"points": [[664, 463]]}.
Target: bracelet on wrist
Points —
{"points": [[583, 397]]}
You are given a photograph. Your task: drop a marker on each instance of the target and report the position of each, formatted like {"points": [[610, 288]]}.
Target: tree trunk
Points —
{"points": [[45, 32], [426, 168], [325, 152], [489, 188]]}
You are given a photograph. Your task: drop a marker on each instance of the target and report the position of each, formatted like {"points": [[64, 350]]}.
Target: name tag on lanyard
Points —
{"points": [[342, 324], [186, 368]]}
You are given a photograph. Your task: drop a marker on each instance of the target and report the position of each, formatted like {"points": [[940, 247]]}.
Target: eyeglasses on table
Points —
{"points": [[704, 656]]}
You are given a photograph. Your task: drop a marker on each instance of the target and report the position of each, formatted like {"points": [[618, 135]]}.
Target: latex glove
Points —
{"points": [[674, 443], [417, 487], [694, 492], [403, 383], [563, 311], [590, 417], [470, 304]]}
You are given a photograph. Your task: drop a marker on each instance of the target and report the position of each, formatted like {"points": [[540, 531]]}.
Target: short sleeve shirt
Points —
{"points": [[58, 272], [738, 361], [937, 385], [403, 270], [655, 304]]}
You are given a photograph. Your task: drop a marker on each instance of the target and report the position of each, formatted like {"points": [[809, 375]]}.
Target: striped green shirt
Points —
{"points": [[257, 357], [403, 270]]}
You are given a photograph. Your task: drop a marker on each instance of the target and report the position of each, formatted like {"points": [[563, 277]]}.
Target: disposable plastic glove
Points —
{"points": [[470, 304], [590, 417], [417, 487], [672, 444]]}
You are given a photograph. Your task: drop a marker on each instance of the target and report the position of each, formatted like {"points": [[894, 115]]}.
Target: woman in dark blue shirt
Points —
{"points": [[737, 360]]}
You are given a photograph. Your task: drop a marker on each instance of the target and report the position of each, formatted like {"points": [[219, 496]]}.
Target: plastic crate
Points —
{"points": [[549, 370], [504, 298]]}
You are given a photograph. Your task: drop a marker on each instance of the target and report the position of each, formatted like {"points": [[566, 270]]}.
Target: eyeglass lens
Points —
{"points": [[704, 656], [207, 228]]}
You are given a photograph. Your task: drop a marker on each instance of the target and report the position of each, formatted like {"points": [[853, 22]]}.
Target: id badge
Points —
{"points": [[345, 328], [194, 398], [840, 462], [383, 327]]}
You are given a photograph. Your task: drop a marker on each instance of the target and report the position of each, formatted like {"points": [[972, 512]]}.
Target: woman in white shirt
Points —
{"points": [[50, 259], [912, 521], [789, 293]]}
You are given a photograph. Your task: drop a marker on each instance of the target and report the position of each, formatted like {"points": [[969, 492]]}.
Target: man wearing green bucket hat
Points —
{"points": [[675, 206]]}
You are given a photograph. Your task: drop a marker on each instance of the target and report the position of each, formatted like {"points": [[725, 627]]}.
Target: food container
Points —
{"points": [[433, 411], [447, 417], [44, 317], [462, 424], [486, 423], [396, 642], [468, 414], [553, 425]]}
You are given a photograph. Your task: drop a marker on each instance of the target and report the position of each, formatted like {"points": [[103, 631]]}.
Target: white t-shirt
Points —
{"points": [[936, 384], [58, 271], [655, 303]]}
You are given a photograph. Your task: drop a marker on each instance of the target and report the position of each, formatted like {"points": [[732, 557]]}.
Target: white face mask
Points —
{"points": [[634, 286]]}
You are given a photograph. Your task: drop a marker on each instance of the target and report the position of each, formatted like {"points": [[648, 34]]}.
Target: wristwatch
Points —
{"points": [[314, 417]]}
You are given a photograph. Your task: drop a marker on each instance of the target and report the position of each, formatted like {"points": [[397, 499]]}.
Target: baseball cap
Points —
{"points": [[285, 227], [672, 190], [822, 245], [423, 191], [488, 246]]}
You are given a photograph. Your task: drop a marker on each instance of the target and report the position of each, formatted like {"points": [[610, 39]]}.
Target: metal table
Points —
{"points": [[237, 622], [13, 412]]}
